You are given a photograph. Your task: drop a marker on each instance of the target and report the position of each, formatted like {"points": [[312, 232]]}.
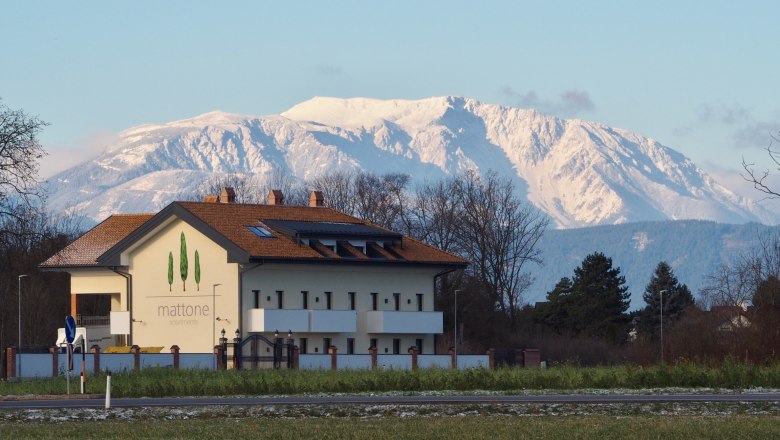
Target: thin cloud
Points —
{"points": [[62, 157], [757, 134], [569, 103], [723, 114]]}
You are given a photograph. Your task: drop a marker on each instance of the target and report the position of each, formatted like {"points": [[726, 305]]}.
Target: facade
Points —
{"points": [[195, 269]]}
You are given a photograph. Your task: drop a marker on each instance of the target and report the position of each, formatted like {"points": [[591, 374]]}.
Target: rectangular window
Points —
{"points": [[302, 348], [374, 301], [419, 302], [279, 299], [418, 343], [351, 300], [260, 231], [397, 301], [305, 296], [350, 345], [375, 343], [257, 298], [325, 345], [396, 346], [328, 300]]}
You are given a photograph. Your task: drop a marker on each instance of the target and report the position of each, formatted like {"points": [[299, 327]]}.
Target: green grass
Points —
{"points": [[378, 428], [155, 382]]}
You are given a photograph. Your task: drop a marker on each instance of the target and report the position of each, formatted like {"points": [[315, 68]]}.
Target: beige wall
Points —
{"points": [[318, 279], [182, 313], [100, 281]]}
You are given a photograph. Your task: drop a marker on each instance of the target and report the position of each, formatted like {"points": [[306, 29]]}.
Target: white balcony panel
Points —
{"points": [[269, 320], [332, 321], [404, 322]]}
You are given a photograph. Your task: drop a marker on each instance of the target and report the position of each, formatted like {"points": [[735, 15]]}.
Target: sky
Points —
{"points": [[700, 77]]}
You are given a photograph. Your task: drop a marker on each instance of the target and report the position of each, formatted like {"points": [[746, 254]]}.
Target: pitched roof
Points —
{"points": [[87, 248], [227, 224]]}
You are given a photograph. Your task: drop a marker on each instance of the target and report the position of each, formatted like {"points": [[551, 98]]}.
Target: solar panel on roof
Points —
{"points": [[330, 229]]}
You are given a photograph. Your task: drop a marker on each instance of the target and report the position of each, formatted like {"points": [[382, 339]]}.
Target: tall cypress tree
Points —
{"points": [[677, 298], [183, 264]]}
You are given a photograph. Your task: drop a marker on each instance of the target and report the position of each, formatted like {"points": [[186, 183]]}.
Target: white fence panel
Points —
{"points": [[354, 362], [156, 360], [434, 361], [472, 361], [314, 361], [394, 361], [196, 361]]}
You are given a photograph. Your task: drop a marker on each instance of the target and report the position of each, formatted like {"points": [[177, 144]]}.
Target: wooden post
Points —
{"points": [[372, 352], [136, 350], [175, 352], [95, 349]]}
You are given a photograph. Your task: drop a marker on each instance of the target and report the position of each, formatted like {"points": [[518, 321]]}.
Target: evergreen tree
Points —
{"points": [[554, 314], [600, 300], [677, 299]]}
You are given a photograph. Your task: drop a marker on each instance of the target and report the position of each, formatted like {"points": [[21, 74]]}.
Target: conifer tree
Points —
{"points": [[677, 298]]}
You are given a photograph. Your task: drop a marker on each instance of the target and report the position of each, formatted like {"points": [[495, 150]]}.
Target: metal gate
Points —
{"points": [[256, 351], [509, 357]]}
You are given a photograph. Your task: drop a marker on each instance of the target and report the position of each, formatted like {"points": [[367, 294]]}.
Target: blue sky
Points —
{"points": [[700, 77]]}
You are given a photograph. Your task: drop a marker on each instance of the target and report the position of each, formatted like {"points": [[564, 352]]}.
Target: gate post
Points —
{"points": [[453, 358], [372, 352], [175, 352], [136, 350], [11, 361], [413, 351], [295, 358], [95, 349], [237, 350], [333, 359], [219, 355], [491, 358]]}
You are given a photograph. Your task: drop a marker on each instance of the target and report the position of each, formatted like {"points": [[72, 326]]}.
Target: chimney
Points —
{"points": [[211, 199], [275, 197], [316, 199], [227, 195]]}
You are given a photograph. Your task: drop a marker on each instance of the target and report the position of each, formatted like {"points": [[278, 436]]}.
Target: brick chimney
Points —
{"points": [[228, 195], [211, 199], [275, 197], [316, 199]]}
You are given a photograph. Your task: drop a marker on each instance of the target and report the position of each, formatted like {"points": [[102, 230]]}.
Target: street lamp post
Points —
{"points": [[661, 296], [456, 325], [20, 325], [213, 316]]}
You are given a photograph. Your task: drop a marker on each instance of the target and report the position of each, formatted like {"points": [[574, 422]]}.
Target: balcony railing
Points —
{"points": [[301, 321], [90, 321], [404, 322]]}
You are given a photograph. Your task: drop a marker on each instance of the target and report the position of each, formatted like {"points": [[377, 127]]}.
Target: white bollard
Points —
{"points": [[108, 390]]}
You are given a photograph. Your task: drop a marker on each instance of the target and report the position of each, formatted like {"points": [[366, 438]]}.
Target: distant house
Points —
{"points": [[730, 318], [194, 270]]}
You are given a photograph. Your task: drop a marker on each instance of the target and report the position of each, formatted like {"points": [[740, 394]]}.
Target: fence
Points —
{"points": [[55, 363]]}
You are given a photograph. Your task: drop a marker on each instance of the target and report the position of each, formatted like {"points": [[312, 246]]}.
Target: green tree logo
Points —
{"points": [[170, 271], [197, 269], [183, 264]]}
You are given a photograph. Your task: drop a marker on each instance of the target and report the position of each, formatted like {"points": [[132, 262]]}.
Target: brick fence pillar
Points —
{"points": [[413, 352], [95, 349], [491, 358], [372, 351], [175, 352], [10, 361], [453, 358], [218, 354], [532, 357], [136, 350], [296, 357], [55, 361], [333, 351]]}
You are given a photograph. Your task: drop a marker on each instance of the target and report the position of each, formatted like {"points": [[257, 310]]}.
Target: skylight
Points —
{"points": [[260, 231]]}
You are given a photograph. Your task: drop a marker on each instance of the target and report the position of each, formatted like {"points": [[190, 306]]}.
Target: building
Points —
{"points": [[197, 270]]}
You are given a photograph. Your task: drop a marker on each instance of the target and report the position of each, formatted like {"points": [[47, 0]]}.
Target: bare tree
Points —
{"points": [[434, 215], [338, 189], [247, 187], [759, 179], [20, 151]]}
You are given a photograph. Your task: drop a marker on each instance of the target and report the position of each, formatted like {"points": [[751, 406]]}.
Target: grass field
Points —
{"points": [[155, 382], [377, 428]]}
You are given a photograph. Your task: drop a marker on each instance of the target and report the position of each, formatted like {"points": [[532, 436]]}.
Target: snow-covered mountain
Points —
{"points": [[581, 173]]}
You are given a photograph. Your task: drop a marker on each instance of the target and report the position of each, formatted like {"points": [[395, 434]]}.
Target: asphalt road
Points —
{"points": [[76, 402]]}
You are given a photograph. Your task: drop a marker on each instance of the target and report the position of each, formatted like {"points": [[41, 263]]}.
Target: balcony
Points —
{"points": [[301, 321], [404, 322]]}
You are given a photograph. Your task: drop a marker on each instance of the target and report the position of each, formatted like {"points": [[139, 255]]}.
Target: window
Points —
{"points": [[418, 343], [396, 346], [279, 299], [351, 300], [260, 231], [419, 302], [305, 296], [328, 300], [302, 349], [325, 344], [350, 345], [374, 343], [257, 298], [397, 301], [374, 298]]}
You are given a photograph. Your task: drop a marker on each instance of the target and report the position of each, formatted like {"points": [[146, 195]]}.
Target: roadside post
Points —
{"points": [[83, 365], [70, 336]]}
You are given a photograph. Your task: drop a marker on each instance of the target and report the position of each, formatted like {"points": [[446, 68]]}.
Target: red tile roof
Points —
{"points": [[228, 223]]}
